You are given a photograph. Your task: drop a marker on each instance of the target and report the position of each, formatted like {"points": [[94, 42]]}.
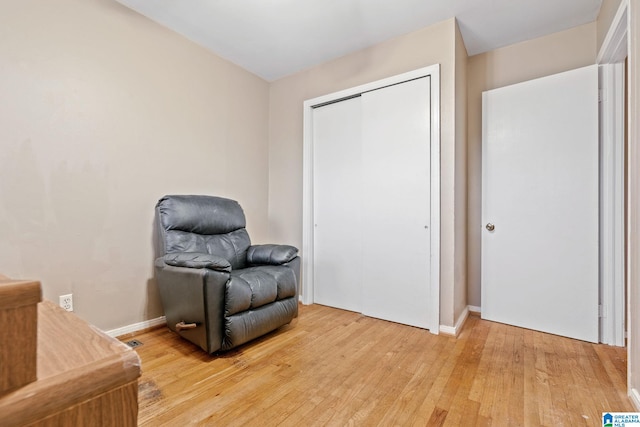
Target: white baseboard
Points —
{"points": [[634, 395], [137, 327], [455, 330], [474, 309]]}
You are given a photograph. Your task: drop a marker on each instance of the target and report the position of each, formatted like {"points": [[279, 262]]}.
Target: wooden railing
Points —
{"points": [[56, 369], [18, 332]]}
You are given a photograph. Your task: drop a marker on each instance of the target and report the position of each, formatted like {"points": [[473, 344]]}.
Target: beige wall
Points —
{"points": [[101, 113], [460, 271], [432, 45], [520, 62]]}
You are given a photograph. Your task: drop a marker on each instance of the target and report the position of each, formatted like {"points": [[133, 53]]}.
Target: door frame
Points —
{"points": [[611, 78], [433, 72]]}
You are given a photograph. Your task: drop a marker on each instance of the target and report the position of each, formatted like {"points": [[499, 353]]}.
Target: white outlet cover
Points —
{"points": [[66, 302]]}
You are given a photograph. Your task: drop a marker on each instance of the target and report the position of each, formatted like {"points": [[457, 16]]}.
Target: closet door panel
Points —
{"points": [[396, 202], [337, 136]]}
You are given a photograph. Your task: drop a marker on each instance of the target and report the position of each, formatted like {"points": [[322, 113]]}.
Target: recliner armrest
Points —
{"points": [[271, 254], [197, 260]]}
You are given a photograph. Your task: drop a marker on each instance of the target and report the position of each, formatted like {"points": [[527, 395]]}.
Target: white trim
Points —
{"points": [[307, 207], [611, 78], [634, 395], [455, 330], [307, 186], [474, 309], [612, 298], [137, 327], [434, 72], [615, 47]]}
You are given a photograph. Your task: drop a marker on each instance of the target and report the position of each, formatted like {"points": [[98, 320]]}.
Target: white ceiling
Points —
{"points": [[275, 38]]}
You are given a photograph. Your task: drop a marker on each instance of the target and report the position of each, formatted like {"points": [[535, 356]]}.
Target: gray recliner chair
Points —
{"points": [[219, 291]]}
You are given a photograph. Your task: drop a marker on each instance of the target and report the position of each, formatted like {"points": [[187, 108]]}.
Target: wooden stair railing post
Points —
{"points": [[18, 332]]}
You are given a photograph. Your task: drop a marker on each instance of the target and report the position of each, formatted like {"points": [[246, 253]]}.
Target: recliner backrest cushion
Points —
{"points": [[207, 224]]}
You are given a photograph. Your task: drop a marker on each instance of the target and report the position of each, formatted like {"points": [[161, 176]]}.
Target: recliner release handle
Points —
{"points": [[181, 325]]}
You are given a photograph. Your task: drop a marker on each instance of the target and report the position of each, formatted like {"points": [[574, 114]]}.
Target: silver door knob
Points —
{"points": [[490, 227]]}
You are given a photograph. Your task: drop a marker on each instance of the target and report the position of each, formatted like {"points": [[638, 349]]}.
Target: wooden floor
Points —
{"points": [[333, 367]]}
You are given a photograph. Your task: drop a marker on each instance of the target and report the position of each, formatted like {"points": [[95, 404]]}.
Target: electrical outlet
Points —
{"points": [[66, 302]]}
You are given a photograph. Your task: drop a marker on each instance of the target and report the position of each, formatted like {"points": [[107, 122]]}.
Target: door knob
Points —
{"points": [[490, 227]]}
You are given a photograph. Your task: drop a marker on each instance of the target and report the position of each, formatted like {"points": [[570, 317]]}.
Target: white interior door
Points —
{"points": [[540, 195], [396, 194], [337, 134]]}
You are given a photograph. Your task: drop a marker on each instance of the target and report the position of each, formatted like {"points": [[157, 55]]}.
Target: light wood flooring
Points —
{"points": [[336, 368]]}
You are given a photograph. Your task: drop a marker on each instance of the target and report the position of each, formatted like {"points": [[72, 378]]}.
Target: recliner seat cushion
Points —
{"points": [[197, 260], [254, 287]]}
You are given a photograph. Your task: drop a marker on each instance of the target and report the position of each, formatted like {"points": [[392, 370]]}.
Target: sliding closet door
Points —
{"points": [[337, 153], [396, 195], [371, 191]]}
